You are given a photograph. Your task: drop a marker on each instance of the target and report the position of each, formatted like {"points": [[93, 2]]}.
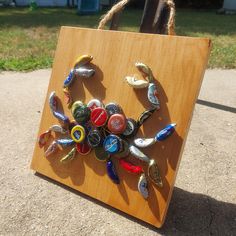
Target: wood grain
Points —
{"points": [[178, 64]]}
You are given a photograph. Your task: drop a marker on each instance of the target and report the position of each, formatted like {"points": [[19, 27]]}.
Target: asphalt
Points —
{"points": [[204, 199]]}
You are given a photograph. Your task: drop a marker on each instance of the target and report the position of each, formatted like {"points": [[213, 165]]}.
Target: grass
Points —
{"points": [[28, 38]]}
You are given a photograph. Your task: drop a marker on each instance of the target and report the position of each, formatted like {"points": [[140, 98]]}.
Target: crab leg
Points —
{"points": [[68, 97], [145, 71], [153, 170], [143, 186], [70, 156], [128, 166], [83, 60], [43, 138], [66, 142], [51, 149], [145, 115], [84, 72], [58, 129], [160, 136], [154, 173], [53, 103], [111, 171]]}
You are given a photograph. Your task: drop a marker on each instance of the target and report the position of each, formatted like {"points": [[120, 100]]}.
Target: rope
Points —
{"points": [[120, 5], [116, 8], [171, 20]]}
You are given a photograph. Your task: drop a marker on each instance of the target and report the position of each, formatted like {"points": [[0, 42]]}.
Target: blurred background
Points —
{"points": [[29, 28]]}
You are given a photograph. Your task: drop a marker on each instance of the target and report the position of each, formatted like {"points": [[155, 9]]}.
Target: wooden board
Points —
{"points": [[178, 64]]}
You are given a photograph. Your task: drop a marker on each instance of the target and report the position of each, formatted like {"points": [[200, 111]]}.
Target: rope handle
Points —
{"points": [[121, 5]]}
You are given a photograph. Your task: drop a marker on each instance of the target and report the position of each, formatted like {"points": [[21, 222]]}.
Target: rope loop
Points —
{"points": [[121, 5]]}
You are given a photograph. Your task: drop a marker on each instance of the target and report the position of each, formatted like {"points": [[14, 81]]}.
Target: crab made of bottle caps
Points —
{"points": [[105, 129]]}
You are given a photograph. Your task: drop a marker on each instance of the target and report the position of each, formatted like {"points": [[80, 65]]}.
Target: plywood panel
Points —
{"points": [[178, 64]]}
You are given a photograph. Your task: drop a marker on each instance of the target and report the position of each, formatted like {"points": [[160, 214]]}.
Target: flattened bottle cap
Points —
{"points": [[131, 127], [113, 108], [117, 123], [99, 117], [83, 148], [145, 115], [69, 79], [78, 133], [81, 113], [94, 103], [112, 144], [53, 102], [94, 138]]}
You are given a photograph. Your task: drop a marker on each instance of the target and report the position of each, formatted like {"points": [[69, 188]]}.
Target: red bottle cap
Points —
{"points": [[99, 116], [83, 148], [117, 123]]}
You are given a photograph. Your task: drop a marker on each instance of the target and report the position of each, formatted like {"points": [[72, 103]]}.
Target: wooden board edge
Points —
{"points": [[45, 101], [136, 33], [187, 131]]}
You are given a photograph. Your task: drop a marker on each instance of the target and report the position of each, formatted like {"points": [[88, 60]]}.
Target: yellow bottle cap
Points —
{"points": [[78, 133]]}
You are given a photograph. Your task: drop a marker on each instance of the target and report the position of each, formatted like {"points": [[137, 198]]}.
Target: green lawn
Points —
{"points": [[28, 38]]}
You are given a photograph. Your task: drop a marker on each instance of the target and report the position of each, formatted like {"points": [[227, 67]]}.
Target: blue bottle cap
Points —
{"points": [[165, 133], [112, 144], [69, 79]]}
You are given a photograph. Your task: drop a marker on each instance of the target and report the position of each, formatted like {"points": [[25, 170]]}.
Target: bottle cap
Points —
{"points": [[145, 115], [99, 117], [94, 138], [80, 112], [94, 103], [113, 108], [112, 144], [75, 105], [78, 133], [131, 128], [83, 148], [69, 79], [101, 154], [117, 123]]}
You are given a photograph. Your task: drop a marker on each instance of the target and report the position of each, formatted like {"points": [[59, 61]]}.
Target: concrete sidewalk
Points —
{"points": [[204, 198]]}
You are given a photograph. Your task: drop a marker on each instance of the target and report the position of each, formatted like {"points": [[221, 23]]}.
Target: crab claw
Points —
{"points": [[43, 138], [134, 82], [145, 70], [154, 173], [83, 60]]}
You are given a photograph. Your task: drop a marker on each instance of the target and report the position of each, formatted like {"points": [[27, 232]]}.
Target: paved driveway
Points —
{"points": [[204, 198]]}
